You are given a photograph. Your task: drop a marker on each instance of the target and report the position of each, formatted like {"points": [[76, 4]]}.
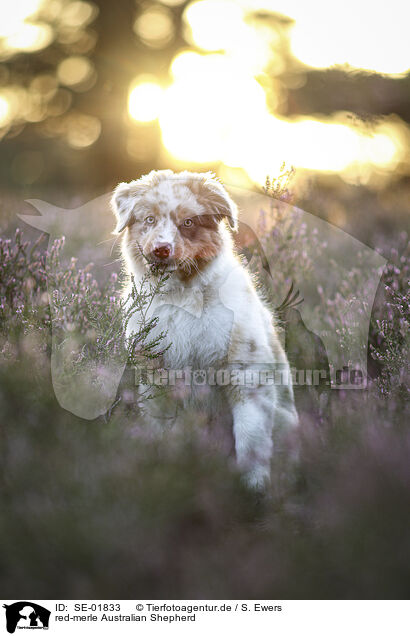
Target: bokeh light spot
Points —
{"points": [[82, 130], [4, 111], [155, 26], [13, 14], [30, 37], [60, 102], [75, 71], [144, 101], [44, 85], [78, 14]]}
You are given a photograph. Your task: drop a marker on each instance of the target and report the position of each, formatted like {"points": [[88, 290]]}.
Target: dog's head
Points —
{"points": [[173, 219]]}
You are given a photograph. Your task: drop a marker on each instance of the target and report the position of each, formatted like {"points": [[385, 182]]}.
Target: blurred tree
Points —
{"points": [[366, 94], [63, 101]]}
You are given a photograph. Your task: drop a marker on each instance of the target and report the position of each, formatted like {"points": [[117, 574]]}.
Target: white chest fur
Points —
{"points": [[196, 339]]}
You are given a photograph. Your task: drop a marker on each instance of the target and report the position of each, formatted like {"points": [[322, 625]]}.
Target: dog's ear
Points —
{"points": [[124, 200], [122, 205], [215, 197], [126, 195]]}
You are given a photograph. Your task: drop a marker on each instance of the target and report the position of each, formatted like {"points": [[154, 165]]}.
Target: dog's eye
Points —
{"points": [[150, 220], [188, 223]]}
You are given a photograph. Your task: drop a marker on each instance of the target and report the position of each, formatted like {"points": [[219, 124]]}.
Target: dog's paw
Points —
{"points": [[257, 479]]}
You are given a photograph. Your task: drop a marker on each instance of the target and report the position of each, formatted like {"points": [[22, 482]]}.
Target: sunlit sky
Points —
{"points": [[225, 85], [369, 34]]}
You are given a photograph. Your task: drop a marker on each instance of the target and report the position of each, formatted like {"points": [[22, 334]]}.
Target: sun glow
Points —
{"points": [[205, 23], [206, 107], [4, 111], [212, 34], [217, 108], [213, 113], [144, 101], [12, 15]]}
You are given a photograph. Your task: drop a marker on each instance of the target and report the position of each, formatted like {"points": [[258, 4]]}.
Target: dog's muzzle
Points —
{"points": [[161, 252]]}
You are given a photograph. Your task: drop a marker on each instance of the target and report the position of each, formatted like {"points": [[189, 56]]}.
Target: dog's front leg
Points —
{"points": [[253, 413]]}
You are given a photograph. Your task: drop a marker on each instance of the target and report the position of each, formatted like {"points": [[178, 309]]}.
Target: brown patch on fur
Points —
{"points": [[217, 205], [211, 194], [194, 184], [197, 246], [189, 272]]}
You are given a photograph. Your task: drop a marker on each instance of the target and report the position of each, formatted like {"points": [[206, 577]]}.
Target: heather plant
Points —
{"points": [[390, 329], [23, 286], [279, 187], [88, 319], [338, 287]]}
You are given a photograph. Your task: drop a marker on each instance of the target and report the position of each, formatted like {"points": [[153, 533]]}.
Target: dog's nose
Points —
{"points": [[162, 251]]}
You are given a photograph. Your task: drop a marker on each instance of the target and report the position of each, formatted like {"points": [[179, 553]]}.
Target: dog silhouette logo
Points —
{"points": [[26, 615], [321, 280]]}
